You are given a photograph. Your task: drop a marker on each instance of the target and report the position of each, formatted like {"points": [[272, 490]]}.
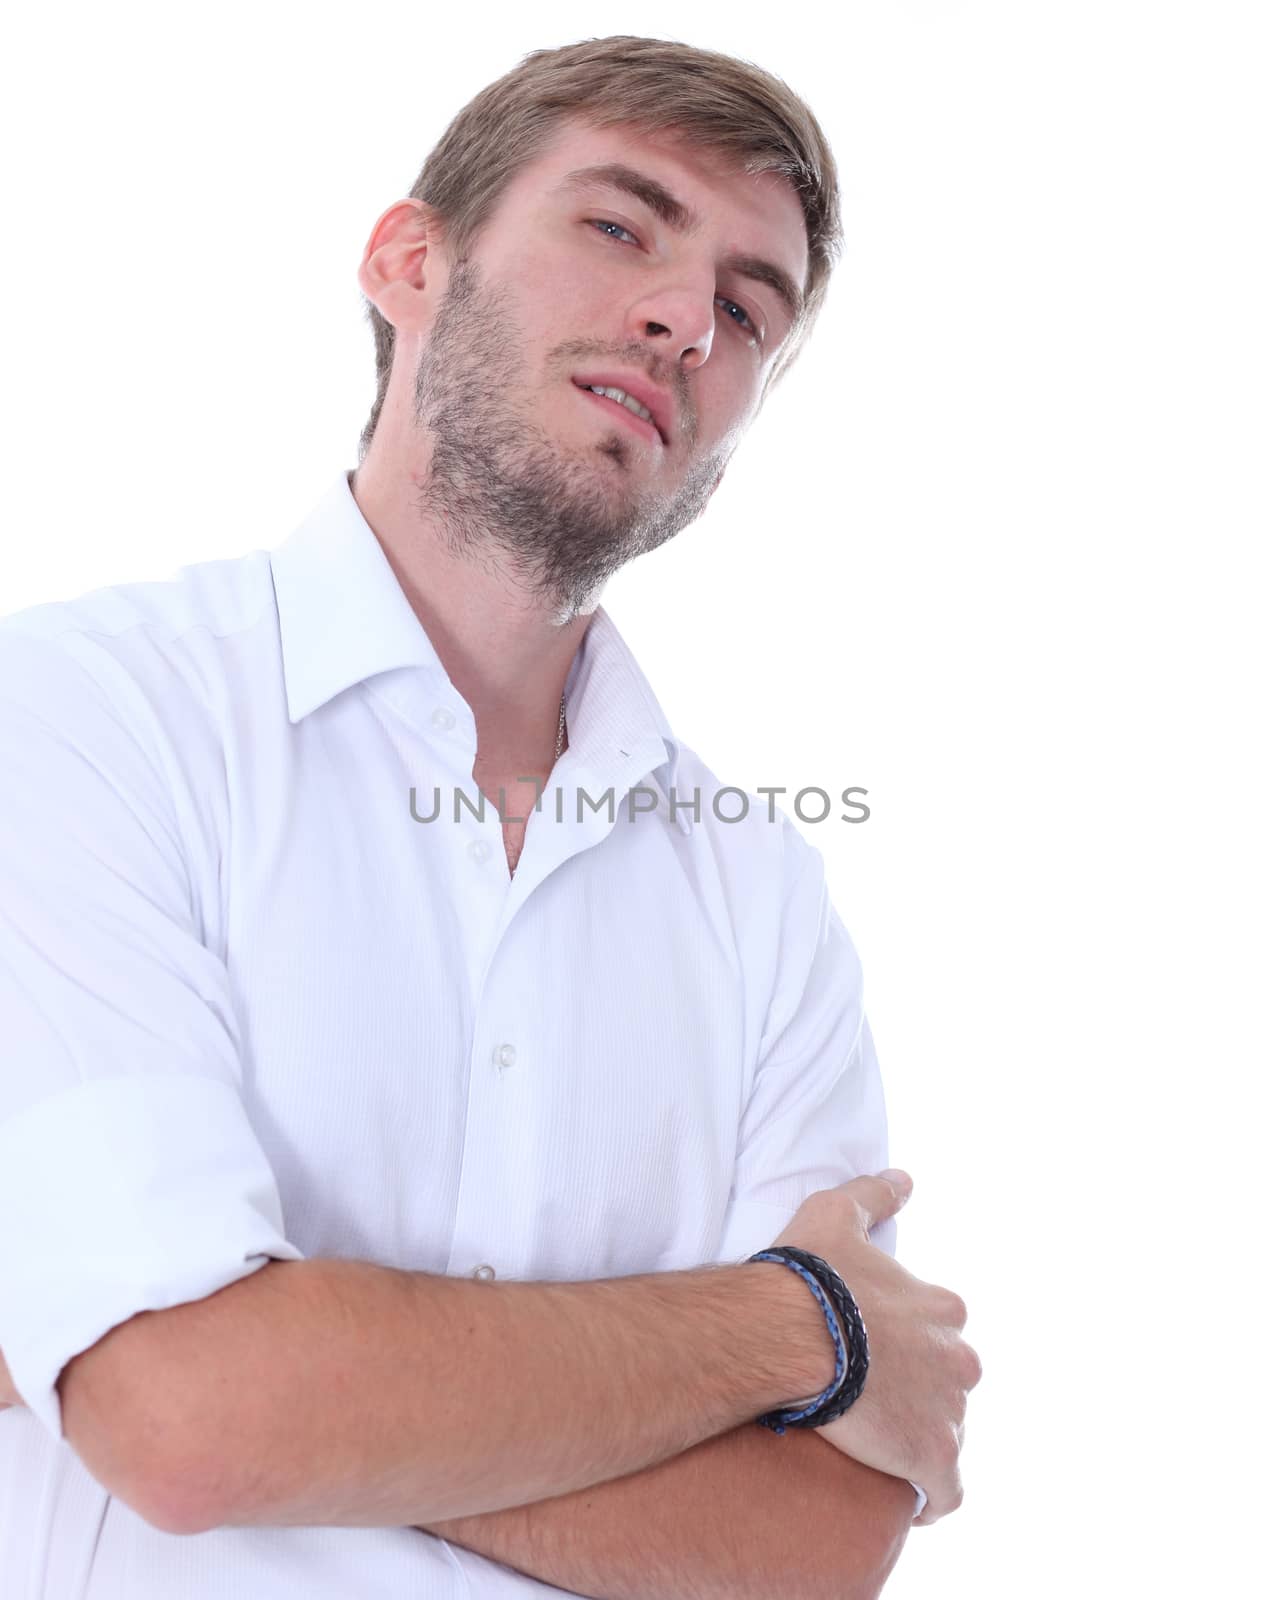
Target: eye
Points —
{"points": [[601, 222], [744, 325]]}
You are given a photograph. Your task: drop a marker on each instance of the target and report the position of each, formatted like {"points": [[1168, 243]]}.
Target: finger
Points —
{"points": [[945, 1494], [881, 1195]]}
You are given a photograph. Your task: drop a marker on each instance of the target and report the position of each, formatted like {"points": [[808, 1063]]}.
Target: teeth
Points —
{"points": [[623, 400]]}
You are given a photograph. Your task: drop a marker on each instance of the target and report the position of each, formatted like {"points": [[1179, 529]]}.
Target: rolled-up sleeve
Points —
{"points": [[130, 1176], [815, 1115]]}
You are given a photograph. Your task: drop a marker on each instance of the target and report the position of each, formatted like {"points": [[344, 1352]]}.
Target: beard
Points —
{"points": [[560, 518]]}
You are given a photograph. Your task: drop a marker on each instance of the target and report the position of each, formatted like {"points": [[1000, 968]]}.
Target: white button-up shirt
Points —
{"points": [[253, 1006]]}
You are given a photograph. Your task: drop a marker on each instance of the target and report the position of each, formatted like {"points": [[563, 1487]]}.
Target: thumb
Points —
{"points": [[881, 1195]]}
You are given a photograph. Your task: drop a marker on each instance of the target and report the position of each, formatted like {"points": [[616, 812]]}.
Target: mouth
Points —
{"points": [[646, 428]]}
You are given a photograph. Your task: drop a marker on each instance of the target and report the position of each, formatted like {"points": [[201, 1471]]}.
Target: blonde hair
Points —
{"points": [[729, 107]]}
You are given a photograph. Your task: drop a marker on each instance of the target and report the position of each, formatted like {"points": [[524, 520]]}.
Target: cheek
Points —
{"points": [[577, 292], [724, 416], [589, 303]]}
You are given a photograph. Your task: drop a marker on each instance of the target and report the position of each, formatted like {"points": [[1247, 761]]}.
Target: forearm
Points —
{"points": [[346, 1394], [746, 1515]]}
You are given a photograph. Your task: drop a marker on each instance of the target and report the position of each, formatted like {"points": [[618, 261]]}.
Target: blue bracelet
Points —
{"points": [[850, 1364]]}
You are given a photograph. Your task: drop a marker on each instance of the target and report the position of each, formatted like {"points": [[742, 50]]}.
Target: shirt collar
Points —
{"points": [[343, 618]]}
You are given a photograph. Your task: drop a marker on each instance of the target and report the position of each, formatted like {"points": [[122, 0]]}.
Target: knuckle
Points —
{"points": [[973, 1372], [955, 1307]]}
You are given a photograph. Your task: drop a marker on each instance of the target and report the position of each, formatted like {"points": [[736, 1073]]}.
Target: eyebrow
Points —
{"points": [[660, 200]]}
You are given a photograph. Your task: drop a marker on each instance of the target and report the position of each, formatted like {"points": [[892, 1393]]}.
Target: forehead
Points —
{"points": [[750, 209]]}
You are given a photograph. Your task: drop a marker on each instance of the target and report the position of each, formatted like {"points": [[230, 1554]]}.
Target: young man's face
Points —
{"points": [[675, 297], [600, 285]]}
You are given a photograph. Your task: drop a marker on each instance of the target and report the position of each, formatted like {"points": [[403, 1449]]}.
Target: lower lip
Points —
{"points": [[646, 430]]}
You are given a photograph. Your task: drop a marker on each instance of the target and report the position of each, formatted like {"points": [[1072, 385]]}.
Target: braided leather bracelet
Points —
{"points": [[851, 1365]]}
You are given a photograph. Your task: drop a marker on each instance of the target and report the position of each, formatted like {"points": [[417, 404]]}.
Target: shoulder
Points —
{"points": [[772, 878], [148, 651], [118, 710], [749, 831]]}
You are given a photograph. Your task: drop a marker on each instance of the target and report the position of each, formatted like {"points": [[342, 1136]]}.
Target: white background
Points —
{"points": [[995, 551]]}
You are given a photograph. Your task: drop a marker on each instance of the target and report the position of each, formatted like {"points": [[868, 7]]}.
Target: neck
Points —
{"points": [[502, 647]]}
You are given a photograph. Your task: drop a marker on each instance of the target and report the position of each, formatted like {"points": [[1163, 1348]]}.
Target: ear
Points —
{"points": [[402, 271]]}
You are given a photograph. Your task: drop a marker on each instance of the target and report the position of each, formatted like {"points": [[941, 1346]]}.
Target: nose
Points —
{"points": [[677, 326], [693, 355]]}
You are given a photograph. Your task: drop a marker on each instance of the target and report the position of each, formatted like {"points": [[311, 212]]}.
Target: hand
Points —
{"points": [[9, 1396], [908, 1420]]}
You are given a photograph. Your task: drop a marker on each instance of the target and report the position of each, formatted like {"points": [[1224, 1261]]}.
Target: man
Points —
{"points": [[377, 1205]]}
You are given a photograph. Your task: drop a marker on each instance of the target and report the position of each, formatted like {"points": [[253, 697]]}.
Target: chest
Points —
{"points": [[511, 798], [440, 1083]]}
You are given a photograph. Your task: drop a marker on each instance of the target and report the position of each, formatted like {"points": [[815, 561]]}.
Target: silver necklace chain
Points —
{"points": [[560, 731]]}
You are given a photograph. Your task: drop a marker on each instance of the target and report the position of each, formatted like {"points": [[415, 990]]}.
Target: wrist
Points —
{"points": [[802, 1340]]}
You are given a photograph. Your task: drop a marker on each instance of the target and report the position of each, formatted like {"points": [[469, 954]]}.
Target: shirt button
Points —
{"points": [[443, 718], [505, 1056], [483, 1272], [479, 849]]}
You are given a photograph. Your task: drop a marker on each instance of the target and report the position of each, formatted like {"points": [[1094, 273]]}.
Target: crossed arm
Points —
{"points": [[747, 1515]]}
